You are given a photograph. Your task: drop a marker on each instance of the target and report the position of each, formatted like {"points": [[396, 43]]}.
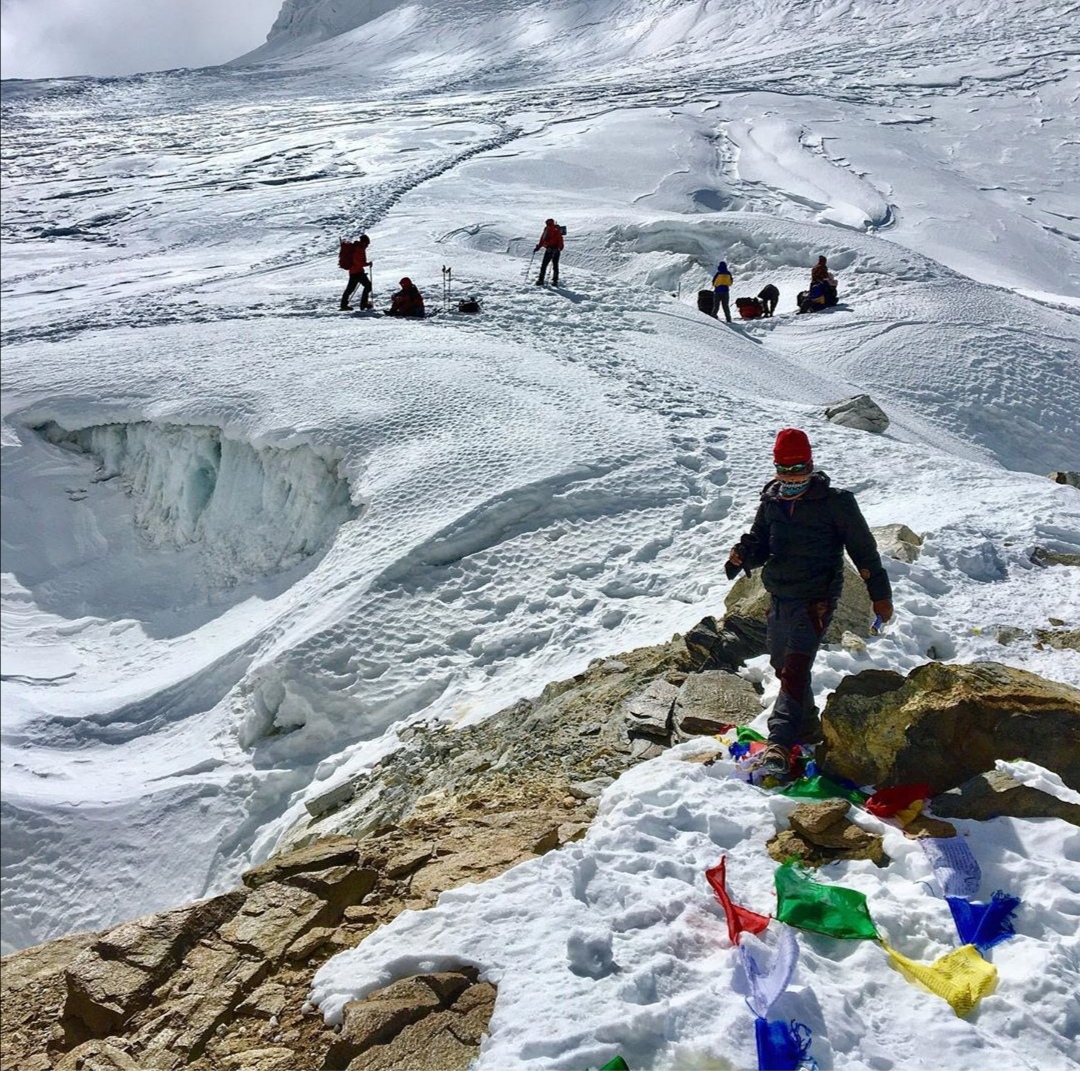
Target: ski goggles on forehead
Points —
{"points": [[800, 469]]}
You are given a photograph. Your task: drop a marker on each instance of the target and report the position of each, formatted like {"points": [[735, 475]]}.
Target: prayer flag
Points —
{"points": [[768, 981], [738, 918], [962, 977], [828, 909], [887, 802], [821, 787], [984, 925], [955, 868], [782, 1046]]}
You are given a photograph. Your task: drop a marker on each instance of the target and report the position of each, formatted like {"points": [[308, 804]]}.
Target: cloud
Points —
{"points": [[54, 38]]}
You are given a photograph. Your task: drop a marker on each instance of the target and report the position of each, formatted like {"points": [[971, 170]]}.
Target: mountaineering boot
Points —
{"points": [[774, 761], [345, 308], [539, 282]]}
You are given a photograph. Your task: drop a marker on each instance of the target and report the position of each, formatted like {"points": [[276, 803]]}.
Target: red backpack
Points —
{"points": [[345, 256]]}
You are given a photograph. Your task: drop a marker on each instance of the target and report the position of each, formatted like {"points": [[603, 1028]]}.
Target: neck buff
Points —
{"points": [[792, 490]]}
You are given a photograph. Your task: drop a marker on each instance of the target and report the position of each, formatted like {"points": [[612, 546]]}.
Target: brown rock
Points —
{"points": [[819, 816], [272, 918], [97, 1056], [115, 977], [267, 1002], [943, 724], [820, 833], [323, 853], [997, 793], [306, 946], [710, 701], [426, 1023], [726, 646], [271, 1058], [1060, 639], [923, 825], [649, 712], [413, 859]]}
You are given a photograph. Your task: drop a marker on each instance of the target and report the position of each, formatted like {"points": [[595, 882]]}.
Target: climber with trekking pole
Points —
{"points": [[551, 241]]}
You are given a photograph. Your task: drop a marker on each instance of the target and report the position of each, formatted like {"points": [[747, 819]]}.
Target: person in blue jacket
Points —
{"points": [[722, 281]]}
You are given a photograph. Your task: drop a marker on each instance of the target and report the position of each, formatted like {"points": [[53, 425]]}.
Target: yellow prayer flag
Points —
{"points": [[961, 977]]}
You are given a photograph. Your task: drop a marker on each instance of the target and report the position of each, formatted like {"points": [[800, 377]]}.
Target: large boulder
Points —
{"points": [[860, 412], [944, 724], [748, 599]]}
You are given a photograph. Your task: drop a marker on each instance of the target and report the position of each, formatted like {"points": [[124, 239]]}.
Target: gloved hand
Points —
{"points": [[536, 249], [883, 608]]}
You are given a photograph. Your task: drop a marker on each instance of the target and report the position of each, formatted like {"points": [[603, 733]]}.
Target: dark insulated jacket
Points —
{"points": [[801, 543]]}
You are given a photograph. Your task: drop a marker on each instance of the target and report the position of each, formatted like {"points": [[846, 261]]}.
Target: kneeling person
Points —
{"points": [[407, 301]]}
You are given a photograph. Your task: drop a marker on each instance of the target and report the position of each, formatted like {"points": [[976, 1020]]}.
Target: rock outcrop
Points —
{"points": [[998, 794], [433, 1021], [860, 412], [223, 983], [944, 724]]}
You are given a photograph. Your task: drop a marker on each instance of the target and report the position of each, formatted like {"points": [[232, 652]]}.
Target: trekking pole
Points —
{"points": [[528, 267]]}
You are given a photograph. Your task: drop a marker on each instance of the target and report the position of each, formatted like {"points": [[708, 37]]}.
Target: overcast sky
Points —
{"points": [[50, 38]]}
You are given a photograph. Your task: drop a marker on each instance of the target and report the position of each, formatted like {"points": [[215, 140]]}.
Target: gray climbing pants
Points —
{"points": [[794, 628]]}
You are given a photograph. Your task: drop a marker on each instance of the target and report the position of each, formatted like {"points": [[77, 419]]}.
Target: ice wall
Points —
{"points": [[253, 510]]}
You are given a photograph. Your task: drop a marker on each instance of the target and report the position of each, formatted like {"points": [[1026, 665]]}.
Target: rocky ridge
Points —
{"points": [[223, 983]]}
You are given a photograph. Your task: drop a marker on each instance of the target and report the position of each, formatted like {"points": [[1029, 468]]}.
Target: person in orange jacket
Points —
{"points": [[551, 242], [407, 301], [358, 275]]}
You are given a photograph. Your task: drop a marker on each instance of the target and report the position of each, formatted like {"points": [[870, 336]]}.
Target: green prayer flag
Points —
{"points": [[616, 1064], [745, 735], [828, 909], [821, 787]]}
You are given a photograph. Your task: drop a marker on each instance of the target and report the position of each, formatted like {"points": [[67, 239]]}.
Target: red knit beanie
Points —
{"points": [[793, 448]]}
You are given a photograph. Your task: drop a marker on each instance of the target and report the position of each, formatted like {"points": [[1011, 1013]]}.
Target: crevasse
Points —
{"points": [[252, 510]]}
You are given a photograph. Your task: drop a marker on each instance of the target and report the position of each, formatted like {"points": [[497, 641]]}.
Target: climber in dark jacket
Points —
{"points": [[407, 301], [799, 535]]}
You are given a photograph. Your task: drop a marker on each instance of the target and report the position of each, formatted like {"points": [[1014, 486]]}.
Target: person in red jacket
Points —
{"points": [[551, 242], [407, 301], [358, 275]]}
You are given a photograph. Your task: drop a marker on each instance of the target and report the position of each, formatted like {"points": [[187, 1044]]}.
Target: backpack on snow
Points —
{"points": [[750, 308], [705, 302], [468, 305], [345, 255]]}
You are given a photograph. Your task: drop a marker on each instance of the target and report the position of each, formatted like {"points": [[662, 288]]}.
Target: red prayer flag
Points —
{"points": [[890, 801], [738, 918]]}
